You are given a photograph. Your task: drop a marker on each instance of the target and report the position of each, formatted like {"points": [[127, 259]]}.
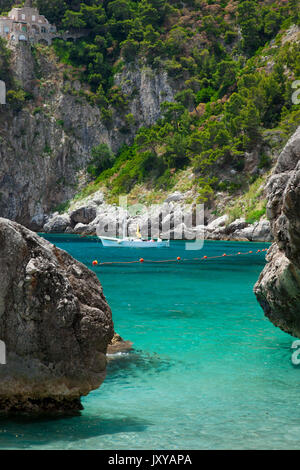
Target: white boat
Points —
{"points": [[133, 242]]}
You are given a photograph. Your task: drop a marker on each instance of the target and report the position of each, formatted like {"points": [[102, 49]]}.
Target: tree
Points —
{"points": [[73, 20], [119, 9], [225, 76], [102, 158], [147, 139], [130, 49], [251, 24], [172, 112], [53, 10], [176, 151], [187, 98]]}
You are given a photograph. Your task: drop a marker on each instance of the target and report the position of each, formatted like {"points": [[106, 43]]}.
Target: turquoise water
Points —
{"points": [[208, 370]]}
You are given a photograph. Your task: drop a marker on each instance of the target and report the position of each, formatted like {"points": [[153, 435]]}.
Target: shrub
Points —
{"points": [[16, 99], [102, 158]]}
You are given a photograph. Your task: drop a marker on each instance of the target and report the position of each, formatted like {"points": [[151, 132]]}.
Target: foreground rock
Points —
{"points": [[278, 287], [55, 322]]}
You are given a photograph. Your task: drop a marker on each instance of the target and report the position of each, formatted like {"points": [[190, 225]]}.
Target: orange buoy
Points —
{"points": [[250, 251], [95, 262], [178, 258], [224, 254], [142, 260], [258, 251], [239, 253], [204, 257]]}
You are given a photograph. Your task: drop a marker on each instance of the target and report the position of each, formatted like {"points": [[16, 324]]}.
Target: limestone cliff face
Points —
{"points": [[45, 148], [149, 90], [278, 287], [54, 321]]}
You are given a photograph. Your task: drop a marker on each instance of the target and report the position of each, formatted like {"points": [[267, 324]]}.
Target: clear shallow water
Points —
{"points": [[208, 370]]}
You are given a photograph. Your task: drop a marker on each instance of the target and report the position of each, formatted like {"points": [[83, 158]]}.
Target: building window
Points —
{"points": [[33, 17], [23, 17], [6, 29]]}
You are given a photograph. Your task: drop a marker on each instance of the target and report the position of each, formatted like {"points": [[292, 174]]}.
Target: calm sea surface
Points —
{"points": [[208, 370]]}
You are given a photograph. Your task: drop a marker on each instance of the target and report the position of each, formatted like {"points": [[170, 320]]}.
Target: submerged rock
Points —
{"points": [[278, 287], [54, 321], [118, 344]]}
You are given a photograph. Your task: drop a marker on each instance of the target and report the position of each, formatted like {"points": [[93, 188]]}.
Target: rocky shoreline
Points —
{"points": [[94, 216]]}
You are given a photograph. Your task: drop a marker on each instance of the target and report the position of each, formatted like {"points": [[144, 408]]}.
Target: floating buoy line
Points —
{"points": [[178, 259]]}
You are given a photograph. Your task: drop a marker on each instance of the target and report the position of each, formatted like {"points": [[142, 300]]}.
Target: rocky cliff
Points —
{"points": [[46, 142], [46, 146], [54, 321], [278, 287]]}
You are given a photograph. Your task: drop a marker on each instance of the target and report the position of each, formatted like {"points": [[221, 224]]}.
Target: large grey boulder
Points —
{"points": [[257, 232], [83, 215], [54, 321], [80, 228], [278, 287], [219, 222], [237, 224], [57, 224], [262, 231], [175, 197]]}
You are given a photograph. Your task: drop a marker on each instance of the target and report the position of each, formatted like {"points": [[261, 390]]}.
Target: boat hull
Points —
{"points": [[112, 242]]}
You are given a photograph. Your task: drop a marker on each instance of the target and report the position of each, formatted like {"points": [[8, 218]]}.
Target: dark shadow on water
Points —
{"points": [[22, 432]]}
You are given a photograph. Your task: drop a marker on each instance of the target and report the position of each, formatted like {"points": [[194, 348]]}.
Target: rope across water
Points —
{"points": [[178, 259]]}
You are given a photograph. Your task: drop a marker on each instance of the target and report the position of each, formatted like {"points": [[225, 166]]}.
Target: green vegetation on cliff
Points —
{"points": [[227, 63], [216, 134], [15, 95]]}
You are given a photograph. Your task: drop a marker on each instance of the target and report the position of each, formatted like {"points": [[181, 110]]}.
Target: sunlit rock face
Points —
{"points": [[54, 321], [278, 287]]}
